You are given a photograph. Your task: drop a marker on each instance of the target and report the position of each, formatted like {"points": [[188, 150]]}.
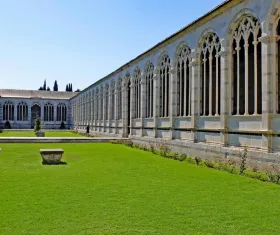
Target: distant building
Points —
{"points": [[21, 107]]}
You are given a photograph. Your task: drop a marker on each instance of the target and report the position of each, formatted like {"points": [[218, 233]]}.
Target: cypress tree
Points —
{"points": [[55, 86]]}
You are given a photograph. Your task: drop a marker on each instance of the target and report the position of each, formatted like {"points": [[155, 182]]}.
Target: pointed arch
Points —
{"points": [[210, 90], [8, 111], [164, 77], [137, 93], [119, 98], [149, 84], [48, 112], [112, 98], [183, 80], [61, 112], [22, 111], [106, 100], [97, 108], [247, 62]]}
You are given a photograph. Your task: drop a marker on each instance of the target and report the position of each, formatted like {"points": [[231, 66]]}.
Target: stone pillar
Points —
{"points": [[226, 78], [143, 102], [15, 117], [195, 96], [99, 113], [29, 114], [125, 110], [132, 106], [116, 107], [95, 112], [156, 101], [55, 116], [172, 103], [109, 108], [92, 112], [268, 72], [104, 109], [42, 111]]}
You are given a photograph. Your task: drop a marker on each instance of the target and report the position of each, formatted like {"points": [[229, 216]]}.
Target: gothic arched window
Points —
{"points": [[113, 92], [61, 112], [184, 82], [137, 93], [210, 76], [247, 85], [48, 112], [149, 83], [119, 99], [8, 111], [164, 70], [22, 112]]}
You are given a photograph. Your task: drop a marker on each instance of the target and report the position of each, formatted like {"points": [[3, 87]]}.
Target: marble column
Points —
{"points": [[156, 101], [195, 96], [132, 106], [116, 108], [104, 109], [172, 103], [268, 83], [109, 109], [226, 61], [125, 110], [143, 103]]}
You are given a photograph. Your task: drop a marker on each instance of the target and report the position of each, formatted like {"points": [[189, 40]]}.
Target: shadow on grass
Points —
{"points": [[54, 163]]}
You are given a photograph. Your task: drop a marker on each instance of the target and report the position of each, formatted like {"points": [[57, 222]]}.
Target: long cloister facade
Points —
{"points": [[20, 108], [214, 82]]}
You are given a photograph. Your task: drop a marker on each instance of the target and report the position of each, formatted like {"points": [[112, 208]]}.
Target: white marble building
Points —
{"points": [[21, 107], [209, 88]]}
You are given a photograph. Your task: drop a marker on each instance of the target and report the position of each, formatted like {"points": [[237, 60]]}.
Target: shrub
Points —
{"points": [[7, 125], [38, 124], [182, 157], [152, 147], [163, 148], [191, 160], [197, 160], [243, 159], [256, 175], [174, 156], [62, 126], [209, 164], [276, 171]]}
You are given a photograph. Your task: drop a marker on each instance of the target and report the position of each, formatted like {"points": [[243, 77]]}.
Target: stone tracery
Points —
{"points": [[210, 75]]}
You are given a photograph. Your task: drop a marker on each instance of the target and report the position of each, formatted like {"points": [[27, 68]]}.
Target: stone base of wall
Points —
{"points": [[207, 151], [203, 150]]}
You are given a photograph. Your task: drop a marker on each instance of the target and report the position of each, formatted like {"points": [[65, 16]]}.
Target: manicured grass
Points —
{"points": [[112, 189], [32, 134]]}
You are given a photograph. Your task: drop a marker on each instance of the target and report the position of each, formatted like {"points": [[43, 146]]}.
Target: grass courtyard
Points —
{"points": [[32, 134], [112, 189]]}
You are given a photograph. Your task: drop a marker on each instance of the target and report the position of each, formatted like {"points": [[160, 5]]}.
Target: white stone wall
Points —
{"points": [[256, 131], [15, 124]]}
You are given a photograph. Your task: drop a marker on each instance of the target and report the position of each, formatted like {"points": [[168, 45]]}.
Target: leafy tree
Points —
{"points": [[55, 86], [78, 90], [48, 89], [67, 88], [40, 89]]}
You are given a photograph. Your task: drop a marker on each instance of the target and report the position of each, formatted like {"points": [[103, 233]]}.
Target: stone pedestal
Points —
{"points": [[40, 134], [51, 156]]}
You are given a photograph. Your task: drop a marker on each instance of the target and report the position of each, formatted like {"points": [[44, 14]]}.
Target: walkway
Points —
{"points": [[57, 139]]}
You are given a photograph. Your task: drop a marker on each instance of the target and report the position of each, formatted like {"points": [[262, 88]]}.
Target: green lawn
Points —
{"points": [[32, 134], [112, 189]]}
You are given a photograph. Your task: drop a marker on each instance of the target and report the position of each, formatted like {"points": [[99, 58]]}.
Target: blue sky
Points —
{"points": [[81, 41]]}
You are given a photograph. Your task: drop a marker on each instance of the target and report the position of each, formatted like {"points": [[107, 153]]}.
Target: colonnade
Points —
{"points": [[223, 78]]}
